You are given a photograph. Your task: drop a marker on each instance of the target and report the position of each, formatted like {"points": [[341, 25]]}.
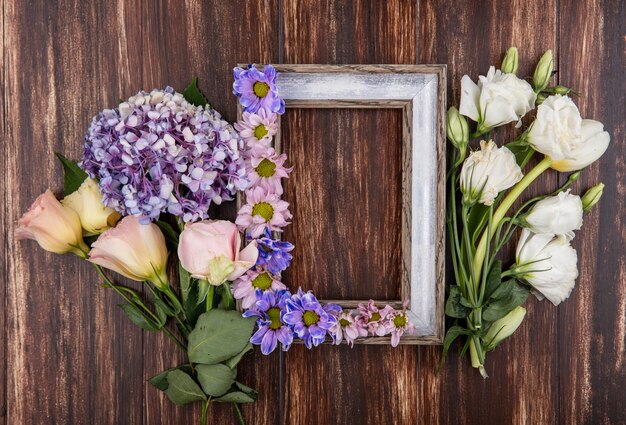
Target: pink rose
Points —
{"points": [[55, 227], [134, 250], [210, 250]]}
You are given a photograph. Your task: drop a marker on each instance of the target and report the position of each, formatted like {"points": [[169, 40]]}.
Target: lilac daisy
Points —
{"points": [[158, 153], [268, 308], [257, 89], [310, 321], [262, 211], [347, 328], [398, 324], [374, 319], [257, 129], [265, 169], [245, 287], [273, 253]]}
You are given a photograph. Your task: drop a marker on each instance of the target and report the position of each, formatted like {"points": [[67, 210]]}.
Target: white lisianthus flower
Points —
{"points": [[487, 172], [560, 133], [548, 263], [496, 100], [560, 215]]}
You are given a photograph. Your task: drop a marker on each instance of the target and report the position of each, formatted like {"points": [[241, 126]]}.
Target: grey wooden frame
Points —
{"points": [[420, 91]]}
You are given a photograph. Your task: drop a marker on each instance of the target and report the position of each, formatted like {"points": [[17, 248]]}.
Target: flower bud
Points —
{"points": [[457, 129], [543, 72], [592, 196], [55, 227], [509, 64], [504, 327], [134, 250], [562, 90], [540, 99], [95, 218]]}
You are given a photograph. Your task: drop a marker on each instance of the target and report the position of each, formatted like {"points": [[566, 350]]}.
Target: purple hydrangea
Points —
{"points": [[158, 153], [257, 89], [272, 330], [274, 254], [310, 320]]}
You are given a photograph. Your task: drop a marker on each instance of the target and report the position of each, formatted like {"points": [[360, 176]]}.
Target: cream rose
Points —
{"points": [[95, 218]]}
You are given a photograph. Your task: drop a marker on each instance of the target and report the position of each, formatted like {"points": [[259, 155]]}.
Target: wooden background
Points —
{"points": [[70, 357]]}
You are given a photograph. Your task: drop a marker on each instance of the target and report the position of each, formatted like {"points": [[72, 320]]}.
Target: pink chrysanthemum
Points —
{"points": [[398, 324], [347, 328], [244, 288], [374, 319], [263, 210], [257, 129], [265, 169]]}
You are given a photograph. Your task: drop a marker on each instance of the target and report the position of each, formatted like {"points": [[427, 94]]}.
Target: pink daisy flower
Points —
{"points": [[257, 129], [398, 324], [265, 169], [374, 319], [244, 288], [347, 328], [262, 211]]}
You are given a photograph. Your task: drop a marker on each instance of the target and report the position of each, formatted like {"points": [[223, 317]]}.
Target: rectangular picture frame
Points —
{"points": [[420, 92]]}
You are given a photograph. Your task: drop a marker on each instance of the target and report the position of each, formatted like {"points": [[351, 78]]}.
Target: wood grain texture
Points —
{"points": [[592, 323], [70, 357]]}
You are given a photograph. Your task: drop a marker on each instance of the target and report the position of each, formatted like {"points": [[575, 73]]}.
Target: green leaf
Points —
{"points": [[193, 95], [245, 389], [235, 397], [453, 304], [137, 317], [74, 176], [493, 279], [182, 389], [501, 307], [203, 290], [227, 301], [233, 361], [171, 237], [185, 283], [216, 379], [502, 291], [218, 336], [160, 381], [453, 333], [523, 152]]}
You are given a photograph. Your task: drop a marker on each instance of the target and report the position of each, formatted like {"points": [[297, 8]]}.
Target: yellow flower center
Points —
{"points": [[343, 323], [263, 209], [260, 131], [399, 321], [375, 317], [310, 317], [273, 314], [266, 168], [261, 89], [263, 281]]}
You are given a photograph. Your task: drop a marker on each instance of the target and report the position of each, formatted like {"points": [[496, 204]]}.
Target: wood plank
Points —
{"points": [[336, 384], [523, 384], [207, 39], [63, 66], [592, 323], [5, 237]]}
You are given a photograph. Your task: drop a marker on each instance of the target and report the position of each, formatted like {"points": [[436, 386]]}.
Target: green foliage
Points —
{"points": [[193, 95], [218, 336], [160, 381], [182, 389], [233, 361], [505, 298], [239, 394], [138, 318], [454, 307], [171, 237], [216, 379], [73, 175], [453, 333]]}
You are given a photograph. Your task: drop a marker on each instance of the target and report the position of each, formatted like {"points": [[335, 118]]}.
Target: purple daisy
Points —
{"points": [[268, 310], [257, 89], [348, 328], [263, 210], [274, 254], [245, 287], [158, 153], [374, 319], [310, 320], [266, 169], [398, 324]]}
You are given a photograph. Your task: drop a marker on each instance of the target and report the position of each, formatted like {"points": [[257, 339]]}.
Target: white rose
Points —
{"points": [[95, 218], [496, 100], [593, 143], [548, 264], [560, 215], [560, 133], [487, 172]]}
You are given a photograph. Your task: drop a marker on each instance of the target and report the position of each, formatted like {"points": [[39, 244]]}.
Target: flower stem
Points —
{"points": [[203, 419], [209, 298], [507, 202], [239, 415]]}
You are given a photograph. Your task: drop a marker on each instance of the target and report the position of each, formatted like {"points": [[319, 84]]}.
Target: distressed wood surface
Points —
{"points": [[69, 356]]}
